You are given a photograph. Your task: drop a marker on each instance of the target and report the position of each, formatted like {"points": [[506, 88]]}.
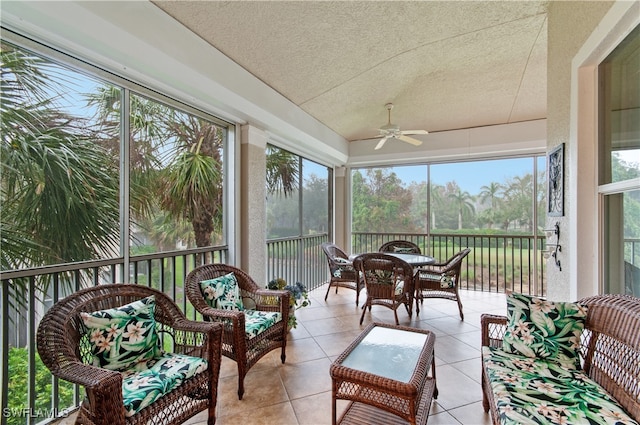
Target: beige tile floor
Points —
{"points": [[299, 391]]}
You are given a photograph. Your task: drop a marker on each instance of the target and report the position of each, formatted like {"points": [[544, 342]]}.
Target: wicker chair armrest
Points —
{"points": [[264, 296], [493, 329], [218, 313], [103, 388], [187, 341]]}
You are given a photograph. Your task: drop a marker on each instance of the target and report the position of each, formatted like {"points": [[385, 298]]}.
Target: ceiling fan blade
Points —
{"points": [[410, 140], [414, 132], [381, 142]]}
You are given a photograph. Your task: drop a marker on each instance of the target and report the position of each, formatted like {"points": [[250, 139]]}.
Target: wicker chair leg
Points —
{"points": [[283, 354], [395, 313], [240, 386], [328, 289], [460, 309], [485, 399], [364, 310]]}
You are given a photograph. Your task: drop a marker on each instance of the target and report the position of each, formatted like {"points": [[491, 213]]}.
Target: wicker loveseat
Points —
{"points": [[171, 364], [601, 387]]}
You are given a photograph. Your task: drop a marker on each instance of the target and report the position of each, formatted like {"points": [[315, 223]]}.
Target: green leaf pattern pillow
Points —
{"points": [[123, 337], [222, 292], [544, 329]]}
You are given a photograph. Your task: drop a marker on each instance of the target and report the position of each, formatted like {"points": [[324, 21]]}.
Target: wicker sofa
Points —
{"points": [[604, 386]]}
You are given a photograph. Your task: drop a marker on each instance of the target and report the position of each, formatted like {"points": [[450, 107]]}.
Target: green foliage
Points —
{"points": [[18, 384]]}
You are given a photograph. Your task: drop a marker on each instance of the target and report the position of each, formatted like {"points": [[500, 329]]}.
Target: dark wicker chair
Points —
{"points": [[381, 273], [440, 280], [400, 246], [63, 345], [235, 344], [343, 275]]}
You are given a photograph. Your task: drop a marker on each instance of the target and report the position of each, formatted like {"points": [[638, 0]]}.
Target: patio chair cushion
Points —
{"points": [[256, 322], [533, 390], [446, 281], [143, 387], [544, 329], [222, 292], [122, 337]]}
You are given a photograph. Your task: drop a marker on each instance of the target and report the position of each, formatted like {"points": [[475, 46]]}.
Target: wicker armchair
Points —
{"points": [[343, 275], [440, 280], [400, 246], [64, 347], [388, 281], [236, 344]]}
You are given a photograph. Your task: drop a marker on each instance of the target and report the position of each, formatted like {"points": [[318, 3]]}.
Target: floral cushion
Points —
{"points": [[164, 374], [123, 337], [222, 292], [446, 281], [531, 390], [256, 322], [403, 250], [344, 265], [399, 287], [544, 329]]}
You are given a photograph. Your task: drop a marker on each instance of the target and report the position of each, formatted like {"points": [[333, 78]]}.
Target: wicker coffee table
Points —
{"points": [[385, 374]]}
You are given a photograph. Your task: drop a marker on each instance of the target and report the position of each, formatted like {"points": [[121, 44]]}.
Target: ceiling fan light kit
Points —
{"points": [[392, 131]]}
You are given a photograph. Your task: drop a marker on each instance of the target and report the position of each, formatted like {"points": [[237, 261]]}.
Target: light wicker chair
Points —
{"points": [[63, 345], [343, 275], [406, 247], [441, 280], [382, 274], [236, 345]]}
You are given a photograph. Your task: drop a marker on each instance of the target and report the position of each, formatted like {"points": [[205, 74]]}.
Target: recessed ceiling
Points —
{"points": [[444, 65]]}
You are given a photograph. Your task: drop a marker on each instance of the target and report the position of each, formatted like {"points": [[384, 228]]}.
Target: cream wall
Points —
{"points": [[575, 29]]}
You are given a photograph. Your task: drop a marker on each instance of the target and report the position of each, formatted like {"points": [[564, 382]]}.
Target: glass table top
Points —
{"points": [[390, 353]]}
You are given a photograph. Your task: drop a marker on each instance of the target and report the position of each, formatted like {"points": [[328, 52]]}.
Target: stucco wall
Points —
{"points": [[570, 24]]}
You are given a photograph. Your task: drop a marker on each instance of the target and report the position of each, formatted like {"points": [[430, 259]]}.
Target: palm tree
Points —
{"points": [[59, 189], [463, 202], [490, 192], [283, 171]]}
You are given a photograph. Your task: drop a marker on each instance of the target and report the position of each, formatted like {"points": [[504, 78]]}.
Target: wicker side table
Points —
{"points": [[385, 374]]}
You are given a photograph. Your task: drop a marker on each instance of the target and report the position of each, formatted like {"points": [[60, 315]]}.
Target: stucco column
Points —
{"points": [[253, 252], [341, 208]]}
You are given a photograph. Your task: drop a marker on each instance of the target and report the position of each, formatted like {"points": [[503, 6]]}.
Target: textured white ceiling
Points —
{"points": [[445, 65]]}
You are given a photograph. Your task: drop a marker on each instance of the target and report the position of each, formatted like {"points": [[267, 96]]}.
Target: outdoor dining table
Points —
{"points": [[416, 260]]}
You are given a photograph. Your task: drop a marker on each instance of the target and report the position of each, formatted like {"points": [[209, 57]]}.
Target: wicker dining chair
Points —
{"points": [[343, 275], [388, 282], [237, 345], [65, 346], [406, 247], [441, 280]]}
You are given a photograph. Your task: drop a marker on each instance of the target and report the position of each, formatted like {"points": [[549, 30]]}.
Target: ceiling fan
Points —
{"points": [[392, 131]]}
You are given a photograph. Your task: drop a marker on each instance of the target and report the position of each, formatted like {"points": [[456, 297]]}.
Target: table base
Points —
{"points": [[363, 414]]}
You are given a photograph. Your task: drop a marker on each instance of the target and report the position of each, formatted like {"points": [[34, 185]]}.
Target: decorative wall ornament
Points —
{"points": [[555, 173]]}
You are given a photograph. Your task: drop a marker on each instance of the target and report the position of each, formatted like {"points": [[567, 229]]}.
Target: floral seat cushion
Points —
{"points": [[446, 281], [256, 322], [533, 390], [140, 388], [343, 266]]}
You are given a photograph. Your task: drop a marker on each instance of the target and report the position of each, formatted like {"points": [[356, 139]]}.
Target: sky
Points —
{"points": [[471, 176]]}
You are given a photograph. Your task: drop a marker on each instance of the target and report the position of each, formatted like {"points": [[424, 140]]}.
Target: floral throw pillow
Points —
{"points": [[222, 292], [124, 337], [544, 329]]}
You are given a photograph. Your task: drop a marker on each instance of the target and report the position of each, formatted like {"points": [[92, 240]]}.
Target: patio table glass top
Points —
{"points": [[390, 353]]}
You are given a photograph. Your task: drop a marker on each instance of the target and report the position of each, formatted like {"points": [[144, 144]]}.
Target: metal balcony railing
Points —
{"points": [[496, 262], [29, 393]]}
